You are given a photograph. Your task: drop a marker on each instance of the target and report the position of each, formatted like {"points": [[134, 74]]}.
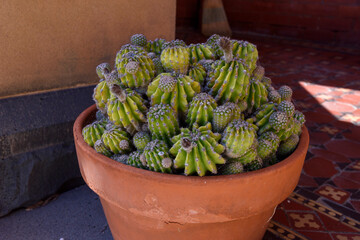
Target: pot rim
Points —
{"points": [[165, 177]]}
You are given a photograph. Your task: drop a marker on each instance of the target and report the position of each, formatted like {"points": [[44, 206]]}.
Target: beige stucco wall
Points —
{"points": [[57, 44]]}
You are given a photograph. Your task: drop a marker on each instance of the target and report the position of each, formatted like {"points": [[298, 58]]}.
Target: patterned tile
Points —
{"points": [[332, 193], [305, 221], [344, 236]]}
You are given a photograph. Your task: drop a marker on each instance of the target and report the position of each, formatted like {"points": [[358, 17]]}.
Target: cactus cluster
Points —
{"points": [[198, 109]]}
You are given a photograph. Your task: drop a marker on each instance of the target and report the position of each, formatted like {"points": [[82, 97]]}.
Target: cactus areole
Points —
{"points": [[191, 151]]}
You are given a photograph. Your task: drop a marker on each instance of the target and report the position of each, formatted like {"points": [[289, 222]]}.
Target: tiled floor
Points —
{"points": [[326, 84]]}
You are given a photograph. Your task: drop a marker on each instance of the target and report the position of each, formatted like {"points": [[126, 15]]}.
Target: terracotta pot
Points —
{"points": [[141, 204]]}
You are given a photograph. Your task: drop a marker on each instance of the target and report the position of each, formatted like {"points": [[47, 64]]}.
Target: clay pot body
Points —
{"points": [[140, 204]]}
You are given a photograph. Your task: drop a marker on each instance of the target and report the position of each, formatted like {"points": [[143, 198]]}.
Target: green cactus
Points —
{"points": [[246, 51], [266, 81], [135, 70], [293, 127], [274, 96], [116, 140], [258, 73], [238, 137], [257, 95], [162, 122], [201, 109], [207, 64], [101, 91], [299, 116], [152, 55], [101, 95], [232, 167], [175, 57], [222, 116], [277, 122], [254, 165], [298, 122], [285, 93], [134, 160], [121, 158], [126, 109], [213, 42], [250, 155], [138, 40], [156, 155], [200, 52], [197, 72], [93, 132], [103, 69], [174, 89], [287, 107], [158, 67], [288, 146], [126, 49], [100, 147], [230, 79], [155, 46], [101, 117], [216, 91], [197, 151], [268, 142], [141, 139], [236, 110], [262, 115]]}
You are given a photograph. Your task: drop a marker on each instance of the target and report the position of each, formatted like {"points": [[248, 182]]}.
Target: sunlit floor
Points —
{"points": [[326, 82]]}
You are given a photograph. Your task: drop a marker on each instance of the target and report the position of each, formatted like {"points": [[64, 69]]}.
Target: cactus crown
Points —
{"points": [[173, 44], [167, 83]]}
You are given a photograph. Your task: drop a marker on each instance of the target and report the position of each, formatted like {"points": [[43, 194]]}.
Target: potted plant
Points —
{"points": [[189, 142]]}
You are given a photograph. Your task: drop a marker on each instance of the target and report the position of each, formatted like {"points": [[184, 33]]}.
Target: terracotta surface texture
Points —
{"points": [[141, 204], [57, 44], [326, 83]]}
